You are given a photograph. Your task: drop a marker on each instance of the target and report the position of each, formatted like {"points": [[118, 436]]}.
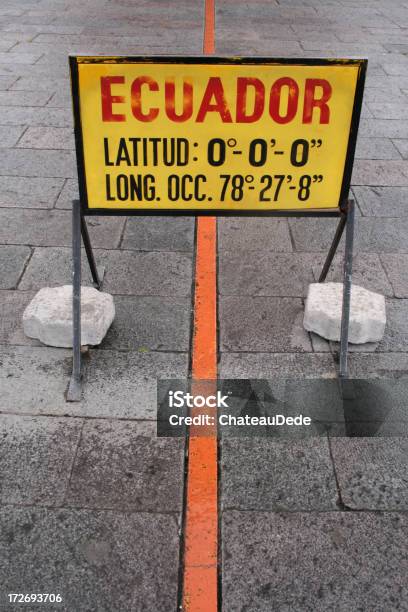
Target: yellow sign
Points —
{"points": [[214, 134]]}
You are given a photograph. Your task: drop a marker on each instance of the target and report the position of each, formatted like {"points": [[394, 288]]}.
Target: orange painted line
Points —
{"points": [[201, 523], [200, 588], [209, 27]]}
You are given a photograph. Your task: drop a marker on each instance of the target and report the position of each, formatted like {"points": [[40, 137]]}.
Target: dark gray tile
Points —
{"points": [[116, 384], [150, 324], [159, 234], [372, 472], [12, 262], [367, 272], [124, 466], [135, 273], [262, 324], [378, 365], [105, 561], [13, 304], [277, 475], [396, 267], [396, 331], [54, 228], [36, 458], [372, 235], [315, 561], [268, 365], [264, 273], [245, 234]]}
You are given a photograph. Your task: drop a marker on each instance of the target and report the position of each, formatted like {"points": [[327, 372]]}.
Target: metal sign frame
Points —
{"points": [[345, 210]]}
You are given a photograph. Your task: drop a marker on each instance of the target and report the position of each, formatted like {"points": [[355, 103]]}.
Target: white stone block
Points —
{"points": [[323, 313], [48, 317]]}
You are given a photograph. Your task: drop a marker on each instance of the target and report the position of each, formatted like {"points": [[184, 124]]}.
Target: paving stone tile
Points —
{"points": [[13, 304], [6, 81], [29, 192], [47, 84], [367, 272], [396, 331], [372, 472], [372, 235], [61, 98], [383, 128], [390, 110], [68, 193], [382, 201], [35, 163], [396, 69], [26, 98], [53, 227], [150, 323], [264, 273], [36, 457], [269, 365], [378, 365], [246, 234], [282, 47], [314, 561], [126, 272], [376, 148], [159, 234], [13, 259], [382, 172], [116, 384], [48, 138], [262, 324], [153, 273], [124, 384], [402, 146], [382, 94], [396, 267], [9, 135], [107, 561], [277, 475], [19, 58], [36, 116], [52, 266], [124, 466]]}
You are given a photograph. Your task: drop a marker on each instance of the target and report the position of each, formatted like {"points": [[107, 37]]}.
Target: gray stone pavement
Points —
{"points": [[90, 499]]}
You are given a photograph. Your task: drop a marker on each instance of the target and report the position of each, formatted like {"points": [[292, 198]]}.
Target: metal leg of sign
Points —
{"points": [[97, 274], [74, 389], [348, 268], [333, 248]]}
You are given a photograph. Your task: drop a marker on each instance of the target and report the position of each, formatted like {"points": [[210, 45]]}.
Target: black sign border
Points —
{"points": [[74, 60]]}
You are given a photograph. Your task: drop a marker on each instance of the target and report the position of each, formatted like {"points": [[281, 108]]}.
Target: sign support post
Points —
{"points": [[79, 229], [348, 268], [74, 389], [346, 222]]}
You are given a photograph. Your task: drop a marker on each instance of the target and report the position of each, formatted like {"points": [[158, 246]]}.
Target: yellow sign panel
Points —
{"points": [[212, 135]]}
